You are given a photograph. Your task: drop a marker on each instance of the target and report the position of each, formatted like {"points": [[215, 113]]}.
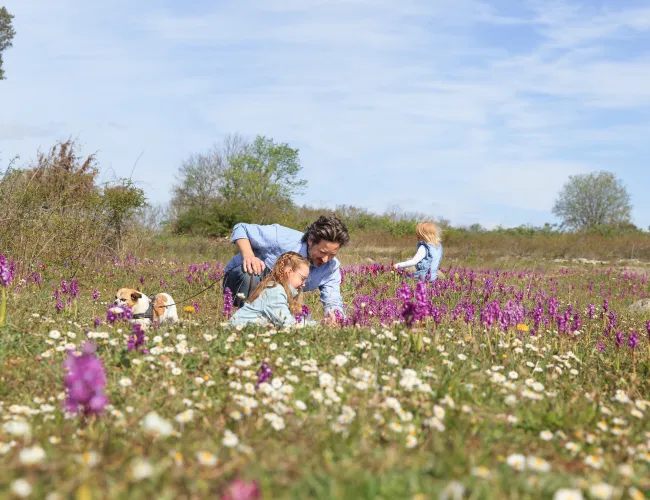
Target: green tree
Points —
{"points": [[201, 176], [121, 201], [591, 200], [7, 33], [263, 179]]}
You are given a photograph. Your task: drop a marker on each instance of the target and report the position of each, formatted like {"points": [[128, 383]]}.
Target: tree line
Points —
{"points": [[257, 181]]}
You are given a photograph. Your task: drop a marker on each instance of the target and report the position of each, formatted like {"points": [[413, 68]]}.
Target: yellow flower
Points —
{"points": [[188, 309], [522, 328]]}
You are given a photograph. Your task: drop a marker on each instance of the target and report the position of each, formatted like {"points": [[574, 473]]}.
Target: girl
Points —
{"points": [[278, 297], [428, 255]]}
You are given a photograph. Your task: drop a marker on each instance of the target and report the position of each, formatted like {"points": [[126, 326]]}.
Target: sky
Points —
{"points": [[468, 110]]}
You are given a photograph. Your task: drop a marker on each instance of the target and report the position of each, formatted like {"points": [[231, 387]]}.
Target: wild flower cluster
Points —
{"points": [[485, 384]]}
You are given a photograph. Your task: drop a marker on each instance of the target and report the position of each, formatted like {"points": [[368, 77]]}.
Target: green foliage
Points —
{"points": [[263, 177], [590, 200], [201, 176], [7, 34], [238, 182], [216, 221], [54, 209], [121, 201]]}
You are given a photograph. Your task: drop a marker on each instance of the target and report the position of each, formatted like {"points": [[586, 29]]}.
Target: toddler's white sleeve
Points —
{"points": [[419, 255]]}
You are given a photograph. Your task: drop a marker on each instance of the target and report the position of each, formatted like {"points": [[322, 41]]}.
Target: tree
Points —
{"points": [[7, 33], [590, 200], [237, 181], [263, 178], [121, 202], [201, 175]]}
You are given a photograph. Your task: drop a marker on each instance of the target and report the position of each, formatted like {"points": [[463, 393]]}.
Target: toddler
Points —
{"points": [[428, 255]]}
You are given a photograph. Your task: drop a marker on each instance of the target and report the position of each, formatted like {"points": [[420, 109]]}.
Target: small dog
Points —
{"points": [[145, 311]]}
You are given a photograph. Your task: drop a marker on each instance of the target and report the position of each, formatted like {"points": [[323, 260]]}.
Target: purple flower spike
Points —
{"points": [[263, 374], [136, 340], [7, 271], [619, 338], [633, 340], [227, 303], [73, 289], [84, 382], [303, 314], [117, 313]]}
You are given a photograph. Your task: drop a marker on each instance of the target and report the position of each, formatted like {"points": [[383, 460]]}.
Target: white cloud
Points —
{"points": [[388, 101]]}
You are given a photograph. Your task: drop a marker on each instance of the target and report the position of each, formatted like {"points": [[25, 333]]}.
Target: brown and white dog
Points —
{"points": [[145, 311]]}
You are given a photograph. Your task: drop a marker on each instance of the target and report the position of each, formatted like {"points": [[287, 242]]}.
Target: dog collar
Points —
{"points": [[148, 314]]}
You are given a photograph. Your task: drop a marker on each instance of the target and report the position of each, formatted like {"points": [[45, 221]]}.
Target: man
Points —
{"points": [[260, 246]]}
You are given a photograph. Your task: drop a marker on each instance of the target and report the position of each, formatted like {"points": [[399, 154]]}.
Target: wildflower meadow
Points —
{"points": [[487, 383]]}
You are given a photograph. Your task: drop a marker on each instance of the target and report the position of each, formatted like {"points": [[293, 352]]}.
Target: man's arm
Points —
{"points": [[248, 237], [330, 293]]}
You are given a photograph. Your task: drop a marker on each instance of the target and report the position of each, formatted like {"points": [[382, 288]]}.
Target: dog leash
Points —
{"points": [[250, 288], [192, 296]]}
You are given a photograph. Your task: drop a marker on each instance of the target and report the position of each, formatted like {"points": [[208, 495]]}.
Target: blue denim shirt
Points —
{"points": [[269, 242], [272, 306], [430, 263]]}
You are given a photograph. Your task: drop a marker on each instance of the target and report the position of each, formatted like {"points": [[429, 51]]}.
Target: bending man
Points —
{"points": [[260, 246]]}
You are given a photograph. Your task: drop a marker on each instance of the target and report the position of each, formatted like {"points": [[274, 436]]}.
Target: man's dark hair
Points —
{"points": [[328, 228]]}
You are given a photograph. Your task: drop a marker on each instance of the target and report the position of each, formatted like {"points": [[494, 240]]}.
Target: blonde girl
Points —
{"points": [[278, 297], [429, 252]]}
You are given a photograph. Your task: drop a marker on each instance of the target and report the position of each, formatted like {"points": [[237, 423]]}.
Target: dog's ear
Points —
{"points": [[135, 296]]}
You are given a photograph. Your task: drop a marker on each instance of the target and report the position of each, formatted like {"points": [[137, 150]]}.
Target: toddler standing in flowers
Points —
{"points": [[428, 255], [278, 297]]}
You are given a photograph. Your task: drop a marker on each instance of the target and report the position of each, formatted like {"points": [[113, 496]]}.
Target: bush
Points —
{"points": [[55, 211]]}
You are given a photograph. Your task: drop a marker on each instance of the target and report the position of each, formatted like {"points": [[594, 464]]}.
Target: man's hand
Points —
{"points": [[253, 265], [330, 319], [250, 263]]}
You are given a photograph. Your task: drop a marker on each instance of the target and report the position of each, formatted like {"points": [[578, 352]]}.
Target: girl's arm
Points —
{"points": [[419, 255], [277, 309]]}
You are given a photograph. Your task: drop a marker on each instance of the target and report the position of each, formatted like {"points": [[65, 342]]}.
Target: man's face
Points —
{"points": [[322, 252]]}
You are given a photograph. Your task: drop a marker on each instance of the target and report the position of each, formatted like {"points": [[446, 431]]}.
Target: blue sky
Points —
{"points": [[475, 111]]}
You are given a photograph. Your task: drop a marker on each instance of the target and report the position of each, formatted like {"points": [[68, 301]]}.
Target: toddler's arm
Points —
{"points": [[419, 255]]}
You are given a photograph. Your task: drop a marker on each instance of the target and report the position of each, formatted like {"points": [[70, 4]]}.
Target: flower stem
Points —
{"points": [[3, 306]]}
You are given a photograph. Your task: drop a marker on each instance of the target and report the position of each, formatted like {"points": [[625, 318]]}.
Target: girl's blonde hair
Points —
{"points": [[428, 232], [287, 261]]}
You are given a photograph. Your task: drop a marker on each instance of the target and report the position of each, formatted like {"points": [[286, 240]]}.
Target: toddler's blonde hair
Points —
{"points": [[428, 232]]}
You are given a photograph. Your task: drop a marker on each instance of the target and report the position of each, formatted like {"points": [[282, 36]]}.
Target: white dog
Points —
{"points": [[145, 311]]}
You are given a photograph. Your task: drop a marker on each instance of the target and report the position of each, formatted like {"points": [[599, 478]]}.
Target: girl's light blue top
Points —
{"points": [[272, 306], [428, 267]]}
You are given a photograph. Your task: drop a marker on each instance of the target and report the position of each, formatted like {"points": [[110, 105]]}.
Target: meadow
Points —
{"points": [[518, 379]]}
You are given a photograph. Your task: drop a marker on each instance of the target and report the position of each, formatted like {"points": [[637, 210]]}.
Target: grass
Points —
{"points": [[369, 428]]}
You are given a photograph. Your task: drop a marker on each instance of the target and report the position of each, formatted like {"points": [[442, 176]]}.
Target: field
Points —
{"points": [[529, 381]]}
